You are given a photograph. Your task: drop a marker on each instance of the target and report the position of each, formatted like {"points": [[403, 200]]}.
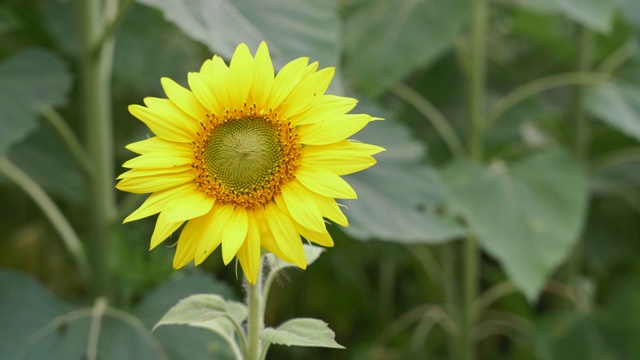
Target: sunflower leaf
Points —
{"points": [[406, 34], [616, 104], [595, 14], [291, 28], [204, 311], [302, 332], [527, 215], [29, 81], [399, 198]]}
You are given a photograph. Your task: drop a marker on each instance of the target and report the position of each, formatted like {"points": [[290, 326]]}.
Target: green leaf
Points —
{"points": [[44, 157], [571, 336], [527, 215], [29, 81], [25, 307], [618, 105], [302, 332], [42, 326], [181, 342], [595, 14], [292, 28], [400, 196], [197, 310], [387, 40]]}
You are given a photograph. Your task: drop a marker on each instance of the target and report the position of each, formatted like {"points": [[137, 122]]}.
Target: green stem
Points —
{"points": [[451, 294], [617, 58], [477, 120], [69, 138], [431, 113], [96, 91], [469, 294], [255, 320], [477, 77], [51, 210], [538, 86], [110, 29], [581, 129]]}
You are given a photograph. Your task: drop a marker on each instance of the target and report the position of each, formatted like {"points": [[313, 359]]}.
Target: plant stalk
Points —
{"points": [[255, 320], [581, 128], [95, 84], [477, 119]]}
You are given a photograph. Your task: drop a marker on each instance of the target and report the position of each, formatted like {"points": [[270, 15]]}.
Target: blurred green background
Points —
{"points": [[516, 129]]}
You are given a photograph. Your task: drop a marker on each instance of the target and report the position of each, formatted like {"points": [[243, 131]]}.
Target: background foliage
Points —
{"points": [[552, 197]]}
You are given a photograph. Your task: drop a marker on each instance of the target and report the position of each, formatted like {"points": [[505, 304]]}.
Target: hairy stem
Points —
{"points": [[255, 320]]}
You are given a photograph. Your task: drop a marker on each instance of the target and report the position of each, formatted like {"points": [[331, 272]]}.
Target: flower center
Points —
{"points": [[245, 156]]}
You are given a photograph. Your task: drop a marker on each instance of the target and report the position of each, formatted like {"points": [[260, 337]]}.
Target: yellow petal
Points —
{"points": [[149, 184], [151, 172], [157, 201], [165, 119], [234, 233], [163, 230], [219, 84], [249, 253], [321, 238], [191, 205], [263, 76], [202, 91], [160, 159], [285, 235], [306, 93], [213, 225], [301, 206], [240, 76], [187, 243], [326, 107], [332, 130], [184, 99], [325, 183], [339, 162], [329, 209], [267, 240], [288, 77]]}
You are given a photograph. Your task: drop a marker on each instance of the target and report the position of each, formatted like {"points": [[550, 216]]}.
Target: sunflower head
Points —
{"points": [[248, 159]]}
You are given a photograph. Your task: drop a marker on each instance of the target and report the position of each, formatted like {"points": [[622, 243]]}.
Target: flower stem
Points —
{"points": [[96, 91], [255, 321]]}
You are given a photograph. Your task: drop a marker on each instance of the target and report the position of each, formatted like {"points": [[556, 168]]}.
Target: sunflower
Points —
{"points": [[248, 159]]}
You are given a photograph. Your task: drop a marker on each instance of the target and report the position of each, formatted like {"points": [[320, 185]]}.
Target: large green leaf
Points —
{"points": [[618, 105], [38, 325], [29, 81], [292, 28], [595, 14], [181, 342], [387, 39], [44, 157], [399, 197], [527, 215]]}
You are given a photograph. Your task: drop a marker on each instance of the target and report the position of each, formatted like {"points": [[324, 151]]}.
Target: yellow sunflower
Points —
{"points": [[248, 159]]}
